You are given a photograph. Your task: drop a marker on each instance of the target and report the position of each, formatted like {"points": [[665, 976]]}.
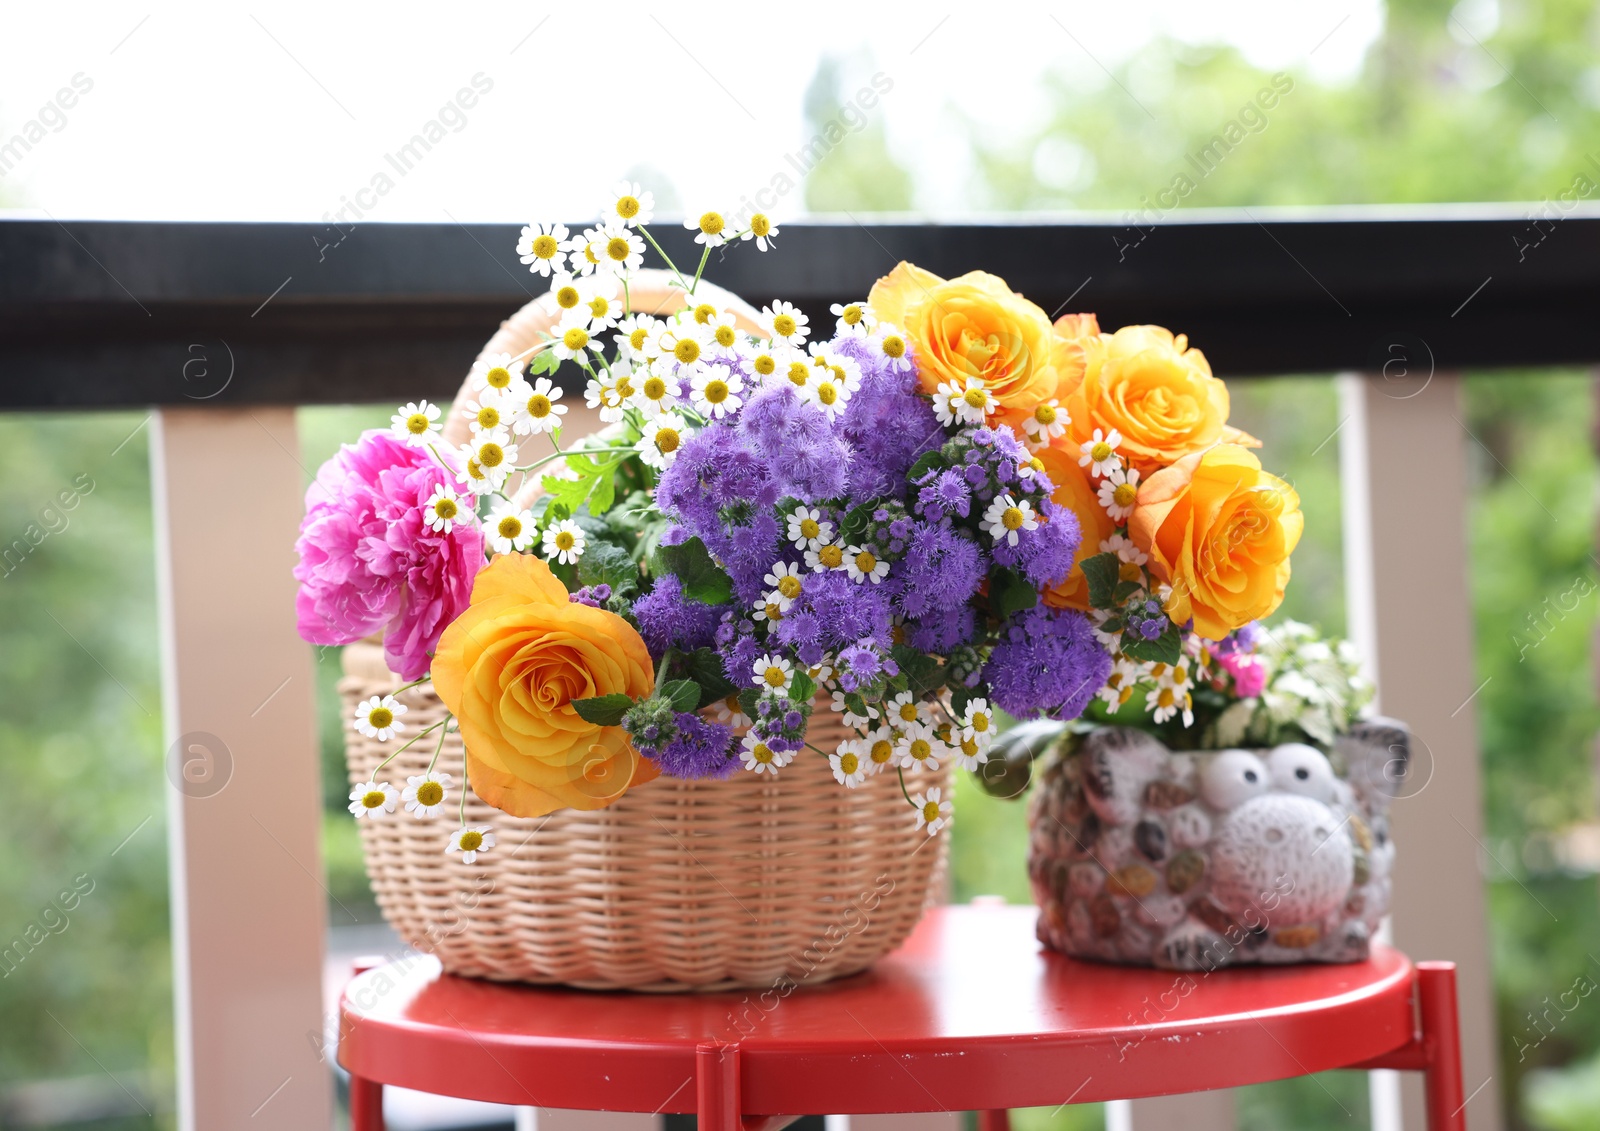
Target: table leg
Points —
{"points": [[366, 1105], [997, 1120], [1441, 1037]]}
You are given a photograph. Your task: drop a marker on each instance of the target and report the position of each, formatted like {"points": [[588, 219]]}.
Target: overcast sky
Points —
{"points": [[284, 111]]}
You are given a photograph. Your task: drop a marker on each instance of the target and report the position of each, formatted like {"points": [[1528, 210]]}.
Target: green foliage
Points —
{"points": [[1010, 592], [703, 580], [603, 710]]}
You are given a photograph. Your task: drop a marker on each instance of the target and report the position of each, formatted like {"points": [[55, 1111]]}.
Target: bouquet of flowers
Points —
{"points": [[943, 507]]}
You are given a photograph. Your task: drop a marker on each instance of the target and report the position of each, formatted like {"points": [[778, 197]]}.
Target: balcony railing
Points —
{"points": [[224, 328]]}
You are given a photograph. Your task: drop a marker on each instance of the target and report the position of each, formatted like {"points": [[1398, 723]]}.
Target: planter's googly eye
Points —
{"points": [[1232, 778], [1302, 769]]}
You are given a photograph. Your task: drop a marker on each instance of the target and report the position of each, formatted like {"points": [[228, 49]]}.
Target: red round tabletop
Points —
{"points": [[972, 1013]]}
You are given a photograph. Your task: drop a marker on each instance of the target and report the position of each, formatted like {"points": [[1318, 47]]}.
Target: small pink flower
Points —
{"points": [[1249, 673]]}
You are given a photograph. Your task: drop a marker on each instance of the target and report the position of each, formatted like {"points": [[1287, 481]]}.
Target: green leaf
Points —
{"points": [[802, 687], [1164, 649], [748, 698], [1102, 571], [959, 698], [604, 491], [684, 694], [704, 666], [922, 672], [544, 361], [856, 704], [926, 462], [854, 525], [569, 493], [1010, 592], [690, 562], [606, 563], [1124, 590], [603, 710]]}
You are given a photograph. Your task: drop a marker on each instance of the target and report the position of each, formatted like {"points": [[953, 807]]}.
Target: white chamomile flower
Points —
{"points": [[573, 341], [425, 794], [491, 409], [849, 765], [828, 394], [723, 336], [879, 745], [765, 359], [636, 337], [602, 392], [564, 542], [379, 717], [663, 436], [710, 228], [864, 565], [904, 711], [829, 555], [540, 247], [599, 298], [1163, 702], [788, 580], [1007, 517], [761, 758], [488, 459], [917, 747], [683, 342], [1125, 549], [416, 423], [785, 322], [763, 229], [621, 251], [584, 251], [850, 718], [653, 393], [769, 608], [730, 712], [1099, 455], [822, 672], [443, 510], [933, 813], [840, 367], [799, 372], [471, 842], [977, 722], [1045, 423], [773, 673], [970, 754], [963, 404], [564, 289], [496, 372], [540, 410], [890, 341], [715, 391], [1118, 687], [1118, 490], [855, 318], [373, 799], [629, 205], [808, 529], [509, 528]]}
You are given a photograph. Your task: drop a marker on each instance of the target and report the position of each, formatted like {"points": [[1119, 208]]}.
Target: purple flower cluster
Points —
{"points": [[1047, 662], [780, 722], [668, 619], [595, 596], [699, 749]]}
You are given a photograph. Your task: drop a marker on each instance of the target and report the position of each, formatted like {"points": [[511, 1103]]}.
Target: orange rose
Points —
{"points": [[1219, 530], [509, 667], [1077, 494], [975, 326], [1157, 392]]}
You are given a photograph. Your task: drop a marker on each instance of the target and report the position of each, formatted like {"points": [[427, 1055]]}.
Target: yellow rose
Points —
{"points": [[1074, 491], [509, 667], [975, 326], [1157, 392], [1219, 530]]}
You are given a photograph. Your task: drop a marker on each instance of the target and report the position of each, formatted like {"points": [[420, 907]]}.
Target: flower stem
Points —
{"points": [[645, 232], [437, 750], [409, 743], [901, 771], [409, 686], [700, 270]]}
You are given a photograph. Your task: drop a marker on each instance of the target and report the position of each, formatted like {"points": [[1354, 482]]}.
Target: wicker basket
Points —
{"points": [[680, 885]]}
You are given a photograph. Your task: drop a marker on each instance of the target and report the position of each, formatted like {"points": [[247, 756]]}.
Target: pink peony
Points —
{"points": [[1249, 673], [368, 562]]}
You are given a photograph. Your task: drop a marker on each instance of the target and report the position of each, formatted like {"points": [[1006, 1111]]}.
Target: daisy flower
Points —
{"points": [[761, 758], [774, 673], [723, 334], [470, 842], [636, 337], [932, 812], [1045, 423], [864, 565], [763, 229], [855, 318], [825, 557], [379, 717], [573, 342], [373, 799], [443, 510], [970, 754], [1118, 687], [424, 795], [492, 457], [654, 394], [730, 712], [769, 608], [495, 372], [684, 342], [416, 423], [539, 412], [851, 719], [799, 372], [540, 247], [1164, 702], [840, 366], [963, 404], [585, 251], [828, 394], [918, 746], [598, 297], [890, 340], [621, 251], [710, 228], [808, 529], [509, 528], [1118, 490], [785, 322], [491, 408], [977, 722], [1006, 517], [849, 765], [564, 542], [1125, 549], [662, 438], [1100, 453], [765, 359], [879, 746], [715, 391], [788, 580], [564, 288], [629, 205], [602, 393]]}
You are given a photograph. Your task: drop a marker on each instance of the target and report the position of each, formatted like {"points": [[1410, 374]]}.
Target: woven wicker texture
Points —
{"points": [[680, 885]]}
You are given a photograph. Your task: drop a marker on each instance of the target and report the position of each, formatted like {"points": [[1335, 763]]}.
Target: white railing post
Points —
{"points": [[244, 811], [1403, 455]]}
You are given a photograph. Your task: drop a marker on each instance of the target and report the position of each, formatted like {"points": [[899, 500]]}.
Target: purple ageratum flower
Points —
{"points": [[798, 442], [858, 665], [946, 495], [668, 619], [701, 749], [942, 569], [834, 612], [943, 631], [368, 561], [1047, 662], [595, 596], [1045, 554]]}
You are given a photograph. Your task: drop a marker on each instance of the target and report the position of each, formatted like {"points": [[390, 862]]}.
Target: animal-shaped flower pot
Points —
{"points": [[1194, 860]]}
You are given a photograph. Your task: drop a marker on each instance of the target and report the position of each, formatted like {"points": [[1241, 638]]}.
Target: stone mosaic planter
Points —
{"points": [[1194, 860]]}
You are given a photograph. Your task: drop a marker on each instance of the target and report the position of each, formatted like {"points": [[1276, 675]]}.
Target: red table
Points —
{"points": [[971, 1014]]}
